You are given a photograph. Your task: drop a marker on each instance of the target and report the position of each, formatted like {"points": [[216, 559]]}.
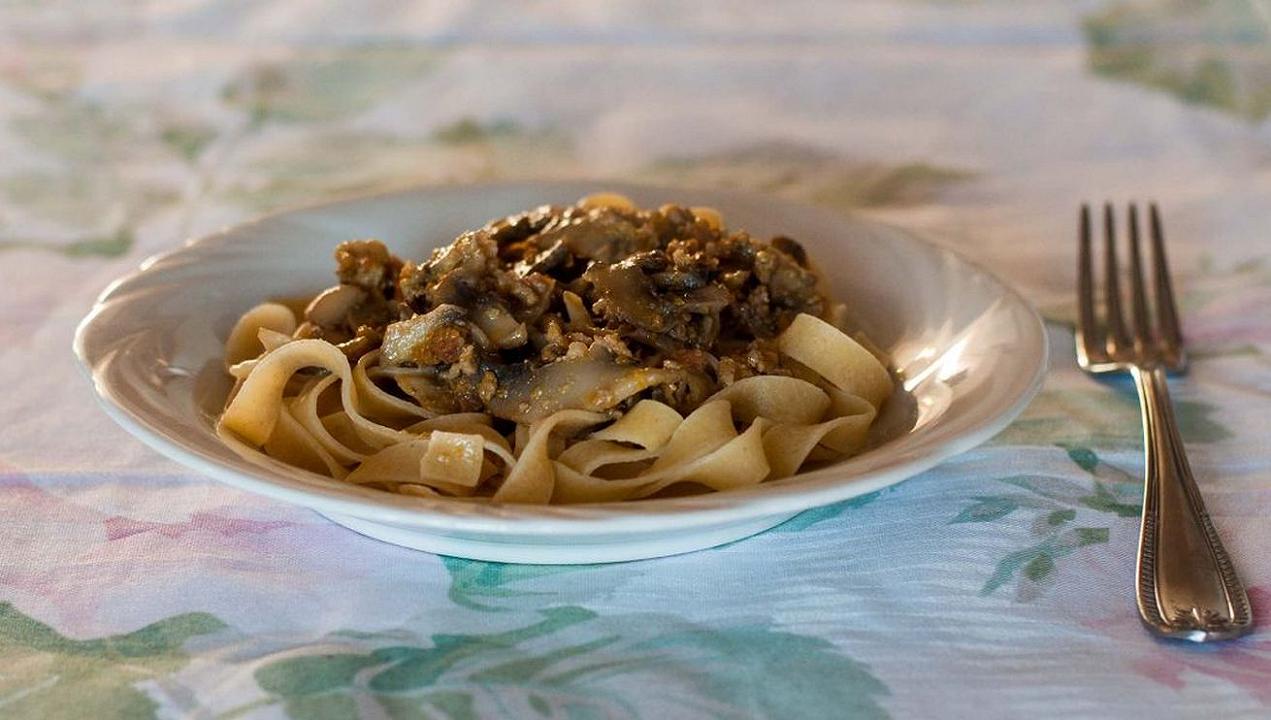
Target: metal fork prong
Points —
{"points": [[1171, 333], [1118, 337], [1088, 336], [1143, 335]]}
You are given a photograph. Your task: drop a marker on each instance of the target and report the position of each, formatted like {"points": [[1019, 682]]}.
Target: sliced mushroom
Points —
{"points": [[546, 260], [430, 394], [678, 280], [709, 299], [500, 327], [366, 339], [603, 237], [436, 337], [455, 274], [594, 383], [332, 307], [626, 294]]}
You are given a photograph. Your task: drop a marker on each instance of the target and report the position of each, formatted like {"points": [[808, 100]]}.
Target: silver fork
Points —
{"points": [[1187, 587]]}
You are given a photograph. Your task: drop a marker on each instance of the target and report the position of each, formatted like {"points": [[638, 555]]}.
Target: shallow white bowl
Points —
{"points": [[971, 351]]}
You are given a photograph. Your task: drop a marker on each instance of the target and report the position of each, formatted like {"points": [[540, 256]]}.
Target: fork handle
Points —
{"points": [[1187, 587]]}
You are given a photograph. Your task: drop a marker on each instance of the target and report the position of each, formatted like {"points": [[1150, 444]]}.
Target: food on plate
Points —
{"points": [[586, 353]]}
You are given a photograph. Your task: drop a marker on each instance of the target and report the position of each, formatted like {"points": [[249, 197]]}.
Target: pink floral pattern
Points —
{"points": [[121, 527]]}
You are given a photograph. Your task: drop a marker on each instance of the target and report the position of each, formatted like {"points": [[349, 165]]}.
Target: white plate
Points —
{"points": [[972, 353]]}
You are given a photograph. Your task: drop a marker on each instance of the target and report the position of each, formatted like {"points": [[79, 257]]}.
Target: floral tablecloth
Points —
{"points": [[995, 586]]}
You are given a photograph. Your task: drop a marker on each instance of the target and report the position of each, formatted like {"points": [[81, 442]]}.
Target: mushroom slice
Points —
{"points": [[594, 383], [333, 306], [436, 337]]}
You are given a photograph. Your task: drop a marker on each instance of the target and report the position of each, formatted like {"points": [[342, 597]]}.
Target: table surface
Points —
{"points": [[997, 585]]}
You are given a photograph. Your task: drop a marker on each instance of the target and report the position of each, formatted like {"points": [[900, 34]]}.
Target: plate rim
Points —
{"points": [[700, 511]]}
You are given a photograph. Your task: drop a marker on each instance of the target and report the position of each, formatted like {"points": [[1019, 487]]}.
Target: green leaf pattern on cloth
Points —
{"points": [[326, 85], [808, 518], [1106, 417], [1055, 506], [44, 674], [1224, 62], [564, 666], [561, 665], [476, 585]]}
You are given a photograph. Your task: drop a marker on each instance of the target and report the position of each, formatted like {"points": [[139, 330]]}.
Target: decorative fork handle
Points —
{"points": [[1187, 587]]}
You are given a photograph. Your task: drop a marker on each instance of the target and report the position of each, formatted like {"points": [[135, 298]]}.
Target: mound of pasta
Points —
{"points": [[590, 353]]}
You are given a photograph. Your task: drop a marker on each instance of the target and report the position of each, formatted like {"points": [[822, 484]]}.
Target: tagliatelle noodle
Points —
{"points": [[305, 409], [400, 464], [291, 443], [739, 462], [533, 476], [839, 359], [467, 425], [375, 401], [856, 415], [637, 435], [474, 423], [588, 456], [272, 339], [454, 458], [776, 397], [705, 430], [244, 338], [416, 490], [253, 412], [269, 340], [790, 420], [787, 447], [341, 428], [649, 424]]}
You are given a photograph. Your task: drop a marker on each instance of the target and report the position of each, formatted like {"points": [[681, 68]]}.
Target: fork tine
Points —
{"points": [[1088, 339], [1118, 337], [1171, 333], [1143, 335]]}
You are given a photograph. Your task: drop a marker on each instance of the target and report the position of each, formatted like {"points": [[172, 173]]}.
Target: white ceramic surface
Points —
{"points": [[971, 351]]}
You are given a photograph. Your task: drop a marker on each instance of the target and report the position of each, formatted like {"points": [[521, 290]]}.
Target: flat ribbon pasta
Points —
{"points": [[244, 339], [375, 401], [636, 436], [254, 411], [705, 449], [305, 409], [453, 457], [839, 359], [776, 397], [302, 402], [533, 477], [398, 465], [290, 443]]}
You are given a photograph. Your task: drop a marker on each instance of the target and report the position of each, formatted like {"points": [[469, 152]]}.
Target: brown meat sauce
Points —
{"points": [[559, 307]]}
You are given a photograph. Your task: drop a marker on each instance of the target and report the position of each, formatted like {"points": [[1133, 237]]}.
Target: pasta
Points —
{"points": [[593, 353]]}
